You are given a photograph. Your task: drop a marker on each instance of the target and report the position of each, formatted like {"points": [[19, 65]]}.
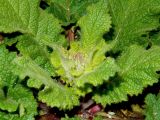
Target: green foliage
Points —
{"points": [[155, 39], [68, 11], [29, 19], [91, 29], [7, 78], [16, 17], [98, 75], [63, 71], [77, 64], [51, 93], [132, 19], [137, 68], [13, 96], [20, 101], [152, 108]]}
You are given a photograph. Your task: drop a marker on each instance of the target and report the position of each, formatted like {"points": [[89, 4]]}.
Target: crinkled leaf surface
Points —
{"points": [[87, 54], [19, 15], [98, 75], [155, 39], [24, 98], [132, 19], [25, 16], [152, 107], [37, 52], [21, 99], [49, 29], [85, 58], [41, 27], [54, 94], [7, 78], [137, 70], [94, 24], [61, 97], [5, 116], [13, 95], [68, 11], [29, 47], [7, 103]]}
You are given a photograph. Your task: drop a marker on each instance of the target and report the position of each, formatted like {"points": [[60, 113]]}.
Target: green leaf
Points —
{"points": [[29, 20], [21, 99], [49, 29], [19, 15], [24, 98], [8, 104], [137, 70], [29, 47], [98, 75], [82, 62], [34, 83], [155, 39], [54, 94], [45, 29], [68, 11], [59, 96], [27, 67], [132, 19], [152, 107], [37, 52], [7, 78], [94, 24], [13, 95], [9, 116]]}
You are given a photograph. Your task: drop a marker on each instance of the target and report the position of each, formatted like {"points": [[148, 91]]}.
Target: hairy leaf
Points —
{"points": [[29, 20], [21, 99], [98, 75], [137, 70], [68, 11], [49, 30], [19, 15], [29, 47], [9, 116], [132, 19], [88, 53], [61, 74], [37, 52], [54, 94], [155, 39], [7, 78], [94, 24], [59, 96], [8, 104], [152, 107]]}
